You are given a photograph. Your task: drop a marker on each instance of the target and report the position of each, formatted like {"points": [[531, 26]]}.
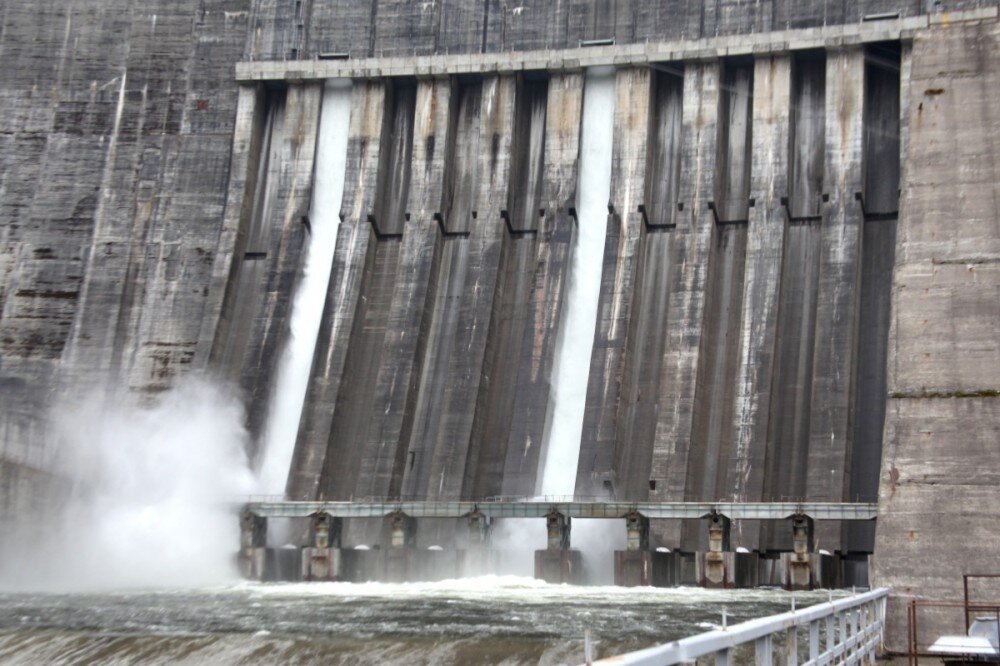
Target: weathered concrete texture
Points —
{"points": [[115, 141], [287, 29], [677, 434], [607, 440], [451, 368], [549, 266], [747, 479], [253, 327], [350, 263], [940, 459]]}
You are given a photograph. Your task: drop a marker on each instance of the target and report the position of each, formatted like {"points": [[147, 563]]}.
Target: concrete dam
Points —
{"points": [[632, 254]]}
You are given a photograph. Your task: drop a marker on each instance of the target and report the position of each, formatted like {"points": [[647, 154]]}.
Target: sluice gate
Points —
{"points": [[328, 556]]}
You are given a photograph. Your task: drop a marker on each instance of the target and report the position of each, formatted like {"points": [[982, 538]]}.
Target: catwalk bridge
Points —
{"points": [[540, 508], [640, 564]]}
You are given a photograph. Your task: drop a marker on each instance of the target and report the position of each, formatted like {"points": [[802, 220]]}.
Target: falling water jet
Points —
{"points": [[293, 375], [574, 345]]}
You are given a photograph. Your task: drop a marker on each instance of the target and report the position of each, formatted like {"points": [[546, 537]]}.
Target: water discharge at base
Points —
{"points": [[149, 495], [296, 360], [574, 344], [488, 620]]}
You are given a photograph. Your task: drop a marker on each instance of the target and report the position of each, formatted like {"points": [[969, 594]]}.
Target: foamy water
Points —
{"points": [[485, 620]]}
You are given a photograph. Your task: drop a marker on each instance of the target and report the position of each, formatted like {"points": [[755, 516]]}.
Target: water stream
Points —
{"points": [[307, 310], [574, 345]]}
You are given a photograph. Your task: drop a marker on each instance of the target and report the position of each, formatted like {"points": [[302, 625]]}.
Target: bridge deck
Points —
{"points": [[572, 509]]}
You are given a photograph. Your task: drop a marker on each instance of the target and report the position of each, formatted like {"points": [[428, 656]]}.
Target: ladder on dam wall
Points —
{"points": [[846, 631], [323, 558]]}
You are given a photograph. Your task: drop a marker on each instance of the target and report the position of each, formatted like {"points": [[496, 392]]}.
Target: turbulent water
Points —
{"points": [[488, 620]]}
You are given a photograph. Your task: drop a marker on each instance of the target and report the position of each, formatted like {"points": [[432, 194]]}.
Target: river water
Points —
{"points": [[487, 620]]}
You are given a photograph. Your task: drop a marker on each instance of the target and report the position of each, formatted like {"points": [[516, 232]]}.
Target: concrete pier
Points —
{"points": [[557, 563]]}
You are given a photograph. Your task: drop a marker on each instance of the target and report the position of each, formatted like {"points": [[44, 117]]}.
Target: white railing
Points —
{"points": [[851, 629]]}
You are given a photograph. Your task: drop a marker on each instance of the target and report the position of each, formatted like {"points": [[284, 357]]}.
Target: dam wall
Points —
{"points": [[797, 295]]}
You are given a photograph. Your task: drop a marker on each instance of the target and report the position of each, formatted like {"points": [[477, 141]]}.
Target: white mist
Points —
{"points": [[574, 344], [151, 493], [285, 409]]}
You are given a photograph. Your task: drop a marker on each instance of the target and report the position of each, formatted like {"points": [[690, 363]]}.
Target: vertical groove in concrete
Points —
{"points": [[595, 474], [836, 313], [882, 141], [765, 242], [354, 245], [648, 332], [788, 430], [488, 200], [354, 409], [510, 308], [675, 442], [452, 369], [247, 153], [255, 324], [550, 265], [381, 469], [710, 445]]}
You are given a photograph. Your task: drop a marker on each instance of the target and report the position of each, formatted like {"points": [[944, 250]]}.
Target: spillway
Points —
{"points": [[288, 396], [564, 420]]}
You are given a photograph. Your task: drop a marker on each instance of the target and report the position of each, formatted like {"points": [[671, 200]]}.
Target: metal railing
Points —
{"points": [[846, 631], [574, 509]]}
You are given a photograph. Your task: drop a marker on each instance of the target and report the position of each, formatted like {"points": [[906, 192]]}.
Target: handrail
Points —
{"points": [[863, 639]]}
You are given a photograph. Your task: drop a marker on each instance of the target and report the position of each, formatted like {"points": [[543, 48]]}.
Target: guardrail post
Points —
{"points": [[763, 651], [814, 640], [722, 658], [791, 647]]}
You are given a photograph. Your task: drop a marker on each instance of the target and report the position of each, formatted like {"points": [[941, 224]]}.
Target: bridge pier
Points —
{"points": [[798, 566], [475, 559], [253, 545], [557, 563], [637, 566], [398, 556], [322, 560], [720, 567]]}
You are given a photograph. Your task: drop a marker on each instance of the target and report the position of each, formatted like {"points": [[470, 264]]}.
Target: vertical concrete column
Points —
{"points": [[551, 263], [243, 171], [253, 539], [254, 323], [837, 306], [396, 559], [765, 239], [452, 367], [557, 563], [381, 470], [557, 528], [321, 559], [350, 260], [798, 573], [476, 559], [596, 470], [716, 564], [637, 527], [692, 241]]}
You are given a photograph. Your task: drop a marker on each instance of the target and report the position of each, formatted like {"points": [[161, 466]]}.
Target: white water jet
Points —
{"points": [[150, 491], [288, 397], [575, 341]]}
